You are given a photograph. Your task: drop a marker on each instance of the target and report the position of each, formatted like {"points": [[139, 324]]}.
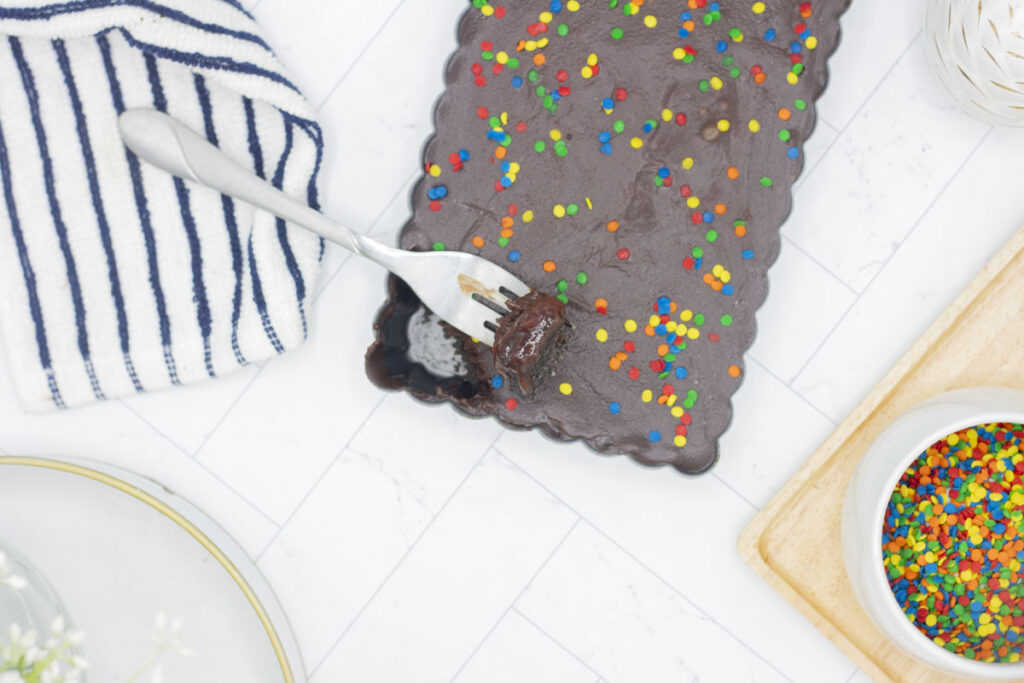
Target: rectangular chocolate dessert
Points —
{"points": [[633, 161]]}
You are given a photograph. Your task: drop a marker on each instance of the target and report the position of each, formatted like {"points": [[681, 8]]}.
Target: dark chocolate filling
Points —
{"points": [[529, 340]]}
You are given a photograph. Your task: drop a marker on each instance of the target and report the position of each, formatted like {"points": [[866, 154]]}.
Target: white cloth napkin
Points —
{"points": [[116, 278]]}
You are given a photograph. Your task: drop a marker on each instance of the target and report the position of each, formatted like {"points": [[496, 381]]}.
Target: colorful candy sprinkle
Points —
{"points": [[953, 543], [648, 345]]}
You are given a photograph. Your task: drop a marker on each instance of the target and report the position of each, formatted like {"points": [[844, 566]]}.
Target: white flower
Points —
{"points": [[34, 654], [7, 576], [167, 636], [20, 640], [11, 677], [51, 674]]}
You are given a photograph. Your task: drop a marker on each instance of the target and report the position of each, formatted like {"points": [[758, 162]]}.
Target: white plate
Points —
{"points": [[120, 548]]}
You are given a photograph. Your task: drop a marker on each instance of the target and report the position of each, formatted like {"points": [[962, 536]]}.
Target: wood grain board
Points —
{"points": [[793, 543]]}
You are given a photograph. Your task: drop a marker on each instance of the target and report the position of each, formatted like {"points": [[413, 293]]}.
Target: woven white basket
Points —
{"points": [[976, 48]]}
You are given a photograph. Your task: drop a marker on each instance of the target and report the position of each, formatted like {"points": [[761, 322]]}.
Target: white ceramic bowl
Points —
{"points": [[864, 508]]}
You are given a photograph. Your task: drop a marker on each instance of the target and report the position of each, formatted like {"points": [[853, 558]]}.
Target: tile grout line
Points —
{"points": [[723, 482], [314, 298], [878, 85], [788, 240], [556, 642], [806, 172], [839, 131], [402, 559], [805, 176], [906, 238], [360, 56], [822, 119], [788, 384], [519, 595], [698, 608], [653, 573], [370, 231], [235, 491], [259, 369], [319, 480], [206, 469], [229, 410]]}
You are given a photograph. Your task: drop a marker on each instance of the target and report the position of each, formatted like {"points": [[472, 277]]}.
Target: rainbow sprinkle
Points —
{"points": [[953, 543]]}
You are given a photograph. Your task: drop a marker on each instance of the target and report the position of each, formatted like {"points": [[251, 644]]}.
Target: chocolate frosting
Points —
{"points": [[676, 217]]}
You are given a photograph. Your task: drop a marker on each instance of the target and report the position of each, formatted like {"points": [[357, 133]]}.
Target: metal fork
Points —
{"points": [[467, 291]]}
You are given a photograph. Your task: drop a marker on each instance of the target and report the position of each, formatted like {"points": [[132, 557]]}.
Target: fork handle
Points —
{"points": [[167, 143]]}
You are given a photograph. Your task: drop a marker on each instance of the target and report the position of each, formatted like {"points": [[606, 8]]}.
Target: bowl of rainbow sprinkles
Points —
{"points": [[933, 533]]}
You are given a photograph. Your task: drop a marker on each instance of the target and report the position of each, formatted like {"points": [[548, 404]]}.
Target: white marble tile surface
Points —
{"points": [[627, 624], [961, 231], [377, 145], [407, 543], [457, 582], [684, 530], [887, 167], [305, 406], [772, 432], [381, 493], [173, 413], [804, 303], [318, 44], [814, 150], [516, 651], [874, 33]]}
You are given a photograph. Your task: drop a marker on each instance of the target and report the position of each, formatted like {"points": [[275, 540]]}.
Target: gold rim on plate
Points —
{"points": [[190, 528]]}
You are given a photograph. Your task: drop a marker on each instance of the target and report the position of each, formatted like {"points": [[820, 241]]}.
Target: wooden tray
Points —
{"points": [[794, 541]]}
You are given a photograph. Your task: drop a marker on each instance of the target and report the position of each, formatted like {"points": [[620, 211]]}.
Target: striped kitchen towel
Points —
{"points": [[116, 278]]}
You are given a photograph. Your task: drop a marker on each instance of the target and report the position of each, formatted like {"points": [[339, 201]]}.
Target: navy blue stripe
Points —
{"points": [[254, 139], [47, 11], [50, 11], [238, 6], [261, 302], [28, 274], [312, 130], [199, 60], [101, 214], [229, 217], [188, 20], [32, 96], [145, 220], [189, 224], [155, 86], [312, 196], [282, 230], [256, 150]]}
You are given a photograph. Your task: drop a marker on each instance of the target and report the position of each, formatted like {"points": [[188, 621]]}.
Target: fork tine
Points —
{"points": [[468, 291], [480, 299]]}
